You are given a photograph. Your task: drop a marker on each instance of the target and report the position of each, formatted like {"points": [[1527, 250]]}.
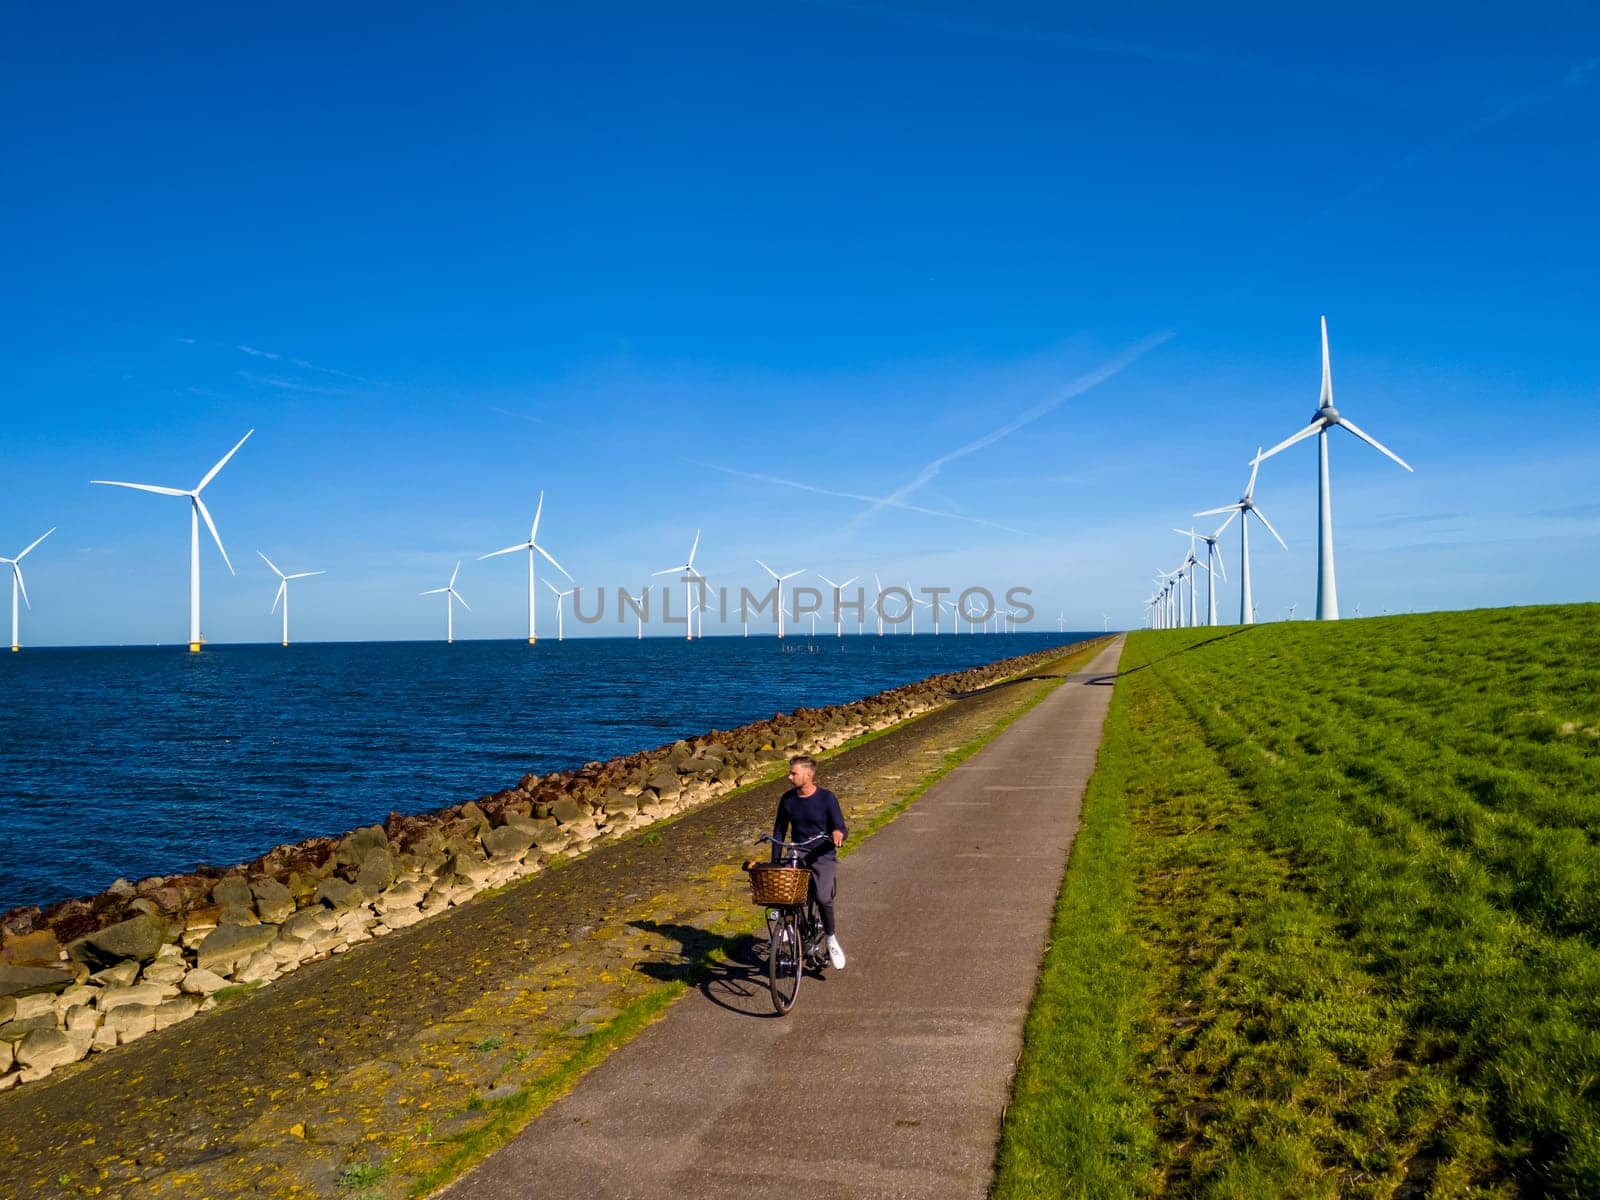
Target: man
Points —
{"points": [[808, 811]]}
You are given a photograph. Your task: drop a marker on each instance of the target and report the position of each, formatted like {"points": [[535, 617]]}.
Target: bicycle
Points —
{"points": [[795, 938]]}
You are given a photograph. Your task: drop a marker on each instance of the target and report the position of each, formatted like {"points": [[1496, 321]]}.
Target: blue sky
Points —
{"points": [[652, 259]]}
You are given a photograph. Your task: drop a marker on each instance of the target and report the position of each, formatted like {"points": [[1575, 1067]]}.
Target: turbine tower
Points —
{"points": [[838, 618], [18, 585], [283, 591], [1324, 419], [451, 596], [560, 596], [1244, 509], [689, 577], [780, 579], [197, 510], [530, 546]]}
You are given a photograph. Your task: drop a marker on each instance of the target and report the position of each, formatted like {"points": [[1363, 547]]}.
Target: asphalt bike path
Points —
{"points": [[889, 1078]]}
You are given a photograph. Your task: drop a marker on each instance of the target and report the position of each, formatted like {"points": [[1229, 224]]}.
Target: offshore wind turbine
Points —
{"points": [[283, 591], [17, 584], [530, 546], [1244, 509], [451, 596], [560, 596], [1325, 418], [689, 577], [780, 579], [838, 618], [197, 510], [638, 612]]}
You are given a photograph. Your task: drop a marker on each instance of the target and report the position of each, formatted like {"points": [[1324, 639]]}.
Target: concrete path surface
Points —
{"points": [[889, 1078]]}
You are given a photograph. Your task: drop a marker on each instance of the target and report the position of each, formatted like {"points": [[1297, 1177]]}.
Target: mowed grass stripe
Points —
{"points": [[1330, 925]]}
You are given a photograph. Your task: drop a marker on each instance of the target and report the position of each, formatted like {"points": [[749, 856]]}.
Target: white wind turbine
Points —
{"points": [[17, 584], [877, 601], [1244, 509], [838, 588], [1324, 419], [560, 596], [780, 580], [197, 510], [530, 546], [1191, 563], [689, 578], [1213, 566], [914, 603], [283, 590], [638, 611], [451, 596]]}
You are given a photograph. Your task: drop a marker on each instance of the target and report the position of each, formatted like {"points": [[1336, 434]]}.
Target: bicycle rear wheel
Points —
{"points": [[786, 960]]}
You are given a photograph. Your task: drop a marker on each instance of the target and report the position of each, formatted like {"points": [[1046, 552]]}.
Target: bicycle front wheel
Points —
{"points": [[786, 960]]}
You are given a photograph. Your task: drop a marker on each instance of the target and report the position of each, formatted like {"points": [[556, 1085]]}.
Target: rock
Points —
{"points": [[402, 918], [205, 916], [308, 922], [77, 994], [567, 812], [274, 901], [261, 967], [229, 944], [165, 971], [28, 981], [377, 871], [508, 842], [403, 895], [665, 782], [34, 1006], [43, 1050], [238, 914], [232, 890], [37, 949], [129, 1024], [140, 993], [337, 893], [121, 975], [355, 846], [522, 821], [201, 982], [138, 938], [8, 1055], [15, 1031], [81, 1017], [170, 1012]]}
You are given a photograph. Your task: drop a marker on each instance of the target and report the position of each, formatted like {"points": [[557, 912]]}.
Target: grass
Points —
{"points": [[1332, 923]]}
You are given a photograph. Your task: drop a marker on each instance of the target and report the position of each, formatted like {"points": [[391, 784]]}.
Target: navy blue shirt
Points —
{"points": [[805, 817]]}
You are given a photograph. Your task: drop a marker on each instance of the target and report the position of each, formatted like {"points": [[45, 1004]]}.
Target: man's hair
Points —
{"points": [[803, 760]]}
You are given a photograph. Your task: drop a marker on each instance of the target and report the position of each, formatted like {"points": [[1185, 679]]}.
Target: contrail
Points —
{"points": [[1076, 388], [878, 500]]}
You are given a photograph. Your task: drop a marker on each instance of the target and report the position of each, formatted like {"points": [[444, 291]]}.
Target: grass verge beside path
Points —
{"points": [[1331, 925]]}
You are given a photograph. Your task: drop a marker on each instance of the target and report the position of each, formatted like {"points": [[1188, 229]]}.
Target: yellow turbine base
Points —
{"points": [[14, 649], [194, 647], [533, 641], [286, 643]]}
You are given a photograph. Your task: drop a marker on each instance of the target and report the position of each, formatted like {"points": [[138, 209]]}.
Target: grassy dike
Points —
{"points": [[1330, 925]]}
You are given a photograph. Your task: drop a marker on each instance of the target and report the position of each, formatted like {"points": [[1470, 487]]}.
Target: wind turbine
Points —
{"points": [[18, 585], [1324, 419], [530, 546], [638, 612], [877, 601], [283, 590], [450, 595], [838, 618], [1244, 509], [779, 579], [914, 603], [1213, 566], [560, 596], [689, 577], [197, 510]]}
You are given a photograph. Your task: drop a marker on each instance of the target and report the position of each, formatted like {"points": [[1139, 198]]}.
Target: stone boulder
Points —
{"points": [[377, 870], [506, 844], [233, 890], [30, 981], [274, 901], [229, 944], [43, 1050], [139, 938], [337, 893], [36, 949]]}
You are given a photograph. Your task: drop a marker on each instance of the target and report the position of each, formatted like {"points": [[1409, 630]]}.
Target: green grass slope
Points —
{"points": [[1332, 922]]}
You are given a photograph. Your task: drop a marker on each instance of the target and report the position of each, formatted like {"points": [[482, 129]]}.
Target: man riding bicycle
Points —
{"points": [[808, 812]]}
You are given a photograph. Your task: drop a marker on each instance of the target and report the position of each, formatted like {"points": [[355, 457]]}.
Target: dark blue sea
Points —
{"points": [[134, 762]]}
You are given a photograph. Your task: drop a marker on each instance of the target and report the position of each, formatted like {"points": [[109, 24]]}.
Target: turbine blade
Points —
{"points": [[283, 586], [877, 583], [1226, 523], [668, 571], [766, 568], [552, 587], [212, 525], [507, 550], [270, 563], [848, 582], [1314, 427], [454, 573], [17, 571], [1365, 437], [433, 591], [694, 548], [1211, 512], [828, 581], [553, 562], [34, 543], [533, 534], [1326, 400], [304, 574], [142, 487], [458, 596], [792, 574], [1263, 519], [222, 462]]}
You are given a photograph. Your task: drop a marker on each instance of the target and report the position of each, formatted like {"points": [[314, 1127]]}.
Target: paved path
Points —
{"points": [[889, 1078]]}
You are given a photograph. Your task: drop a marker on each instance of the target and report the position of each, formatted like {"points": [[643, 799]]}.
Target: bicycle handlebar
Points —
{"points": [[782, 845]]}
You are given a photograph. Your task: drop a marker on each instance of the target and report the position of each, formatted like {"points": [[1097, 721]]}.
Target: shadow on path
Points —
{"points": [[737, 981], [1108, 680]]}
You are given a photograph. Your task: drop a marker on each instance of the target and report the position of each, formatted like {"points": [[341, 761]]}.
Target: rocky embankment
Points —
{"points": [[90, 974]]}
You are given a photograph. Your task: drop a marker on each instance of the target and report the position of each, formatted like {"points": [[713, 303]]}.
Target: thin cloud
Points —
{"points": [[293, 385], [1076, 388], [876, 500], [251, 350], [1576, 512], [506, 412]]}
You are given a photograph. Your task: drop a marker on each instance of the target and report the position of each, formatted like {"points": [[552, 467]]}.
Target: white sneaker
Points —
{"points": [[835, 953]]}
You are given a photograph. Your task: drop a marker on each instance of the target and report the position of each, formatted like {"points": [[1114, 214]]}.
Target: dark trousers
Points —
{"points": [[824, 886]]}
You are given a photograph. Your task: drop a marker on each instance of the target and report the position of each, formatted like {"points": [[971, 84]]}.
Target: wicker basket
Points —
{"points": [[779, 885]]}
